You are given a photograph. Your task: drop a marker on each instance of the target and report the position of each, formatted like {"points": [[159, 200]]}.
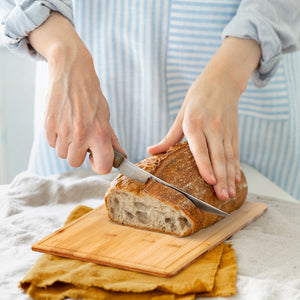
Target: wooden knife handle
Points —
{"points": [[118, 158]]}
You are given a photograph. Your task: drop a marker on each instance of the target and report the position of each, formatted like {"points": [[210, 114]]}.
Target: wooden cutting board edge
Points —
{"points": [[194, 254], [190, 256]]}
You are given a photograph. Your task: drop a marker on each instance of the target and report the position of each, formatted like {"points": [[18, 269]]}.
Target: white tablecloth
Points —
{"points": [[267, 250]]}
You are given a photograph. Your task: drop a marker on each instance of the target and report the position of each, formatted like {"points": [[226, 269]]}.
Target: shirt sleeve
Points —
{"points": [[19, 18], [274, 24]]}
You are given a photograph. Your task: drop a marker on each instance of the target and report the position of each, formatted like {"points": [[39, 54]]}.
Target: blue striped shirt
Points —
{"points": [[148, 53]]}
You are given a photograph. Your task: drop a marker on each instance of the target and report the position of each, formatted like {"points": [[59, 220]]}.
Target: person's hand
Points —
{"points": [[77, 117], [208, 117]]}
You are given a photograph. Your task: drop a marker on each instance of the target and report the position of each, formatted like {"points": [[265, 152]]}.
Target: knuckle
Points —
{"points": [[230, 156], [219, 156], [51, 123], [101, 131], [216, 128], [165, 139], [79, 132], [64, 130], [190, 125]]}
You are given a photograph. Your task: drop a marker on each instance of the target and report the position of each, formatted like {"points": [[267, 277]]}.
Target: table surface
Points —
{"points": [[267, 250], [259, 184]]}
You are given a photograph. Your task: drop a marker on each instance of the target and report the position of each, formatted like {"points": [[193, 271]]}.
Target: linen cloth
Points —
{"points": [[55, 278], [267, 250]]}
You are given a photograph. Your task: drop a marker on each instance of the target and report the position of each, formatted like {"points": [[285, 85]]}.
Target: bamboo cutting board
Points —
{"points": [[95, 238]]}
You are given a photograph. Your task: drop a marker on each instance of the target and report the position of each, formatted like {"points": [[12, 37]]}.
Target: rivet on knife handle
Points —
{"points": [[118, 158]]}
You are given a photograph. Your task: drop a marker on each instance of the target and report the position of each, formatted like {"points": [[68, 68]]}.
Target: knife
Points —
{"points": [[134, 172]]}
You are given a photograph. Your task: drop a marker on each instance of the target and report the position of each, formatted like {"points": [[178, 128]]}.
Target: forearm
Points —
{"points": [[54, 37], [237, 58], [57, 41], [18, 18]]}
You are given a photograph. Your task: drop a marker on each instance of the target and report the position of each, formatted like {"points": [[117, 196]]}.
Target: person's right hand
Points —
{"points": [[77, 117]]}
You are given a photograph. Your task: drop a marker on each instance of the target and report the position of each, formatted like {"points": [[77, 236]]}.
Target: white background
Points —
{"points": [[17, 85]]}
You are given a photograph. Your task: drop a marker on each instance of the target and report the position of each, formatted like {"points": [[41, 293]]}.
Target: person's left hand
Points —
{"points": [[208, 117]]}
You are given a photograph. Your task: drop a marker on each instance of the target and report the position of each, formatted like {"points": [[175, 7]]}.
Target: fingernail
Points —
{"points": [[225, 193], [232, 191]]}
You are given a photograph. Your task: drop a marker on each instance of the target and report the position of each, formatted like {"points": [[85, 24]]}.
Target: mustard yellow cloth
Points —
{"points": [[54, 278]]}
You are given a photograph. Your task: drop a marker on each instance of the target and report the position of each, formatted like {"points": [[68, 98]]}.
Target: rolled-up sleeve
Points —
{"points": [[274, 24], [19, 18]]}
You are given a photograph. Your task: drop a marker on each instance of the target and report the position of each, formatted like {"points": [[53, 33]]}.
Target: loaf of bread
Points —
{"points": [[156, 207]]}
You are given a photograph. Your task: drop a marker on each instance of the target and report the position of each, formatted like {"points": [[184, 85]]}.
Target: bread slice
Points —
{"points": [[156, 207]]}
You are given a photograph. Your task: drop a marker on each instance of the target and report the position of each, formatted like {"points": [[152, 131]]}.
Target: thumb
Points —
{"points": [[174, 136]]}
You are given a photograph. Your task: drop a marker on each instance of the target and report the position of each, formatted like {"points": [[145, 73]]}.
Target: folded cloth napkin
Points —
{"points": [[53, 278]]}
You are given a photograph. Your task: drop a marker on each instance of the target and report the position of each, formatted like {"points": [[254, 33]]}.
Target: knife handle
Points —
{"points": [[118, 158]]}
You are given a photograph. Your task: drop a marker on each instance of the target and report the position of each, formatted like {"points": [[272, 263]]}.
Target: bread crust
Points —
{"points": [[177, 167]]}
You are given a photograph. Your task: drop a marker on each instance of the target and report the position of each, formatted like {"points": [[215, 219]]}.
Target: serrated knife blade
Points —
{"points": [[134, 172]]}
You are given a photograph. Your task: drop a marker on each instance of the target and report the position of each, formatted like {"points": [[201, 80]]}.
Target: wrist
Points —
{"points": [[57, 40], [54, 37], [238, 58]]}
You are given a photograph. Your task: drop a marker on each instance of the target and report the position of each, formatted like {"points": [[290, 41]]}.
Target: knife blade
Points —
{"points": [[134, 172]]}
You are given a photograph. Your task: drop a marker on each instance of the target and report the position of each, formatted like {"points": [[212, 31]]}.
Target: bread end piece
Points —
{"points": [[155, 207]]}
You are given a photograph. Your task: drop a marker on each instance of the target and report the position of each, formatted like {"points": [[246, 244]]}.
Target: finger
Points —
{"points": [[52, 114], [236, 158], [61, 147], [230, 168], [173, 137], [115, 142], [101, 159], [51, 130], [217, 155], [102, 149], [76, 155], [198, 146]]}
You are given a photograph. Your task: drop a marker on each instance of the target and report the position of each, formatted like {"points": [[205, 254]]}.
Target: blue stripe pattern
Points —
{"points": [[128, 40], [271, 143], [194, 37], [147, 53]]}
